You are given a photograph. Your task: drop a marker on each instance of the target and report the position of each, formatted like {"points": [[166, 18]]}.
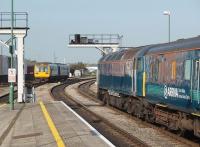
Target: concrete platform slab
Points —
{"points": [[43, 92], [80, 131], [7, 118], [32, 130]]}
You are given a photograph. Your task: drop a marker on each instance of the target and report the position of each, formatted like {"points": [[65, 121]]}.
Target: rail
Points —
{"points": [[104, 126]]}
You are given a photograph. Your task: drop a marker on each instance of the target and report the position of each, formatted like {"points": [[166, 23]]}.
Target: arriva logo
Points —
{"points": [[170, 91]]}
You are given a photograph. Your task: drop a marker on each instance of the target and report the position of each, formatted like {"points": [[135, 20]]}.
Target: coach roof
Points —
{"points": [[120, 55], [181, 44]]}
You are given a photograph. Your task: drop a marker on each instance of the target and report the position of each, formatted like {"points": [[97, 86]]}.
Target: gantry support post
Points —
{"points": [[20, 34], [20, 65]]}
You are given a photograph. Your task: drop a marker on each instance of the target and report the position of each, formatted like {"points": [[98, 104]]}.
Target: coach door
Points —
{"points": [[196, 83], [134, 75], [139, 76]]}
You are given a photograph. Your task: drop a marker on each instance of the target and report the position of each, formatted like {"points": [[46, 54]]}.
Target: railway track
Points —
{"points": [[179, 141], [116, 135]]}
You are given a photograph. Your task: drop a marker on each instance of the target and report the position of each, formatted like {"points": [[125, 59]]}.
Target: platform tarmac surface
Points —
{"points": [[33, 127]]}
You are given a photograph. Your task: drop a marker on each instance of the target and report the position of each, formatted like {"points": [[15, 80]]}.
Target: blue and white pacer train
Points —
{"points": [[159, 83]]}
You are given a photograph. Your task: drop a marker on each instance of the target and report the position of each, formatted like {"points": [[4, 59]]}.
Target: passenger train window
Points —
{"points": [[196, 74], [40, 69], [36, 69], [139, 65], [43, 69], [187, 71], [173, 73], [46, 69], [155, 70]]}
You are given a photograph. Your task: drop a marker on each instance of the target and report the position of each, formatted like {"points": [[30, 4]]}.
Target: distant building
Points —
{"points": [[77, 73], [91, 68], [70, 74]]}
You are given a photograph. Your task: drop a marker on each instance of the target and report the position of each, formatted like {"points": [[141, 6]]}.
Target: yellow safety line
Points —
{"points": [[52, 127]]}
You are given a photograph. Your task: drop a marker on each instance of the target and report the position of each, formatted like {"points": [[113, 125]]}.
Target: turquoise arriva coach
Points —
{"points": [[160, 83]]}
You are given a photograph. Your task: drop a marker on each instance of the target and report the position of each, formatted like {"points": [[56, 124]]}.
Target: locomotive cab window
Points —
{"points": [[46, 69], [187, 70], [173, 70], [139, 64], [155, 70], [36, 69]]}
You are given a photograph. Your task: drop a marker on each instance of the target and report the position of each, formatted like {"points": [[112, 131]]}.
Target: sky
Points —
{"points": [[141, 22]]}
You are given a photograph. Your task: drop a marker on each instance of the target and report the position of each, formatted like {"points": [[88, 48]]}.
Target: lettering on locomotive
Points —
{"points": [[175, 93]]}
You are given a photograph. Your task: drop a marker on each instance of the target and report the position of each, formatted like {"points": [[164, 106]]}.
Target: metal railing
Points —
{"points": [[94, 39], [20, 20]]}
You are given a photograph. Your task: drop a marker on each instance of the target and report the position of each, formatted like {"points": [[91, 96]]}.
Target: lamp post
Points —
{"points": [[168, 14], [11, 94]]}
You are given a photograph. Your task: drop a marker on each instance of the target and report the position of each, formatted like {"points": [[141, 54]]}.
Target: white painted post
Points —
{"points": [[20, 64]]}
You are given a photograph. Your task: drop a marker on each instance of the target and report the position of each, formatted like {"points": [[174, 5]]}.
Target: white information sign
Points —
{"points": [[11, 75]]}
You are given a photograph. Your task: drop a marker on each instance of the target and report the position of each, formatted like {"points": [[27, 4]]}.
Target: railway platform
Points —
{"points": [[46, 123], [4, 90]]}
